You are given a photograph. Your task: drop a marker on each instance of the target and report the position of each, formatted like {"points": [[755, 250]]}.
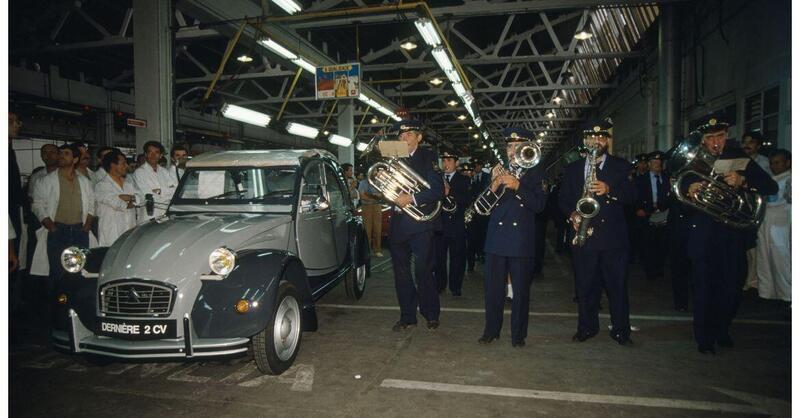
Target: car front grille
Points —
{"points": [[136, 298]]}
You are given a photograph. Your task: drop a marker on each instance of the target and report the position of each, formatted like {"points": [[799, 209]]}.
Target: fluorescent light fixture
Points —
{"points": [[302, 130], [459, 89], [290, 6], [462, 117], [245, 115], [468, 98], [557, 100], [550, 114], [277, 48], [361, 146], [436, 81], [428, 32], [408, 45], [244, 58], [491, 144], [59, 110], [339, 140], [583, 35], [441, 58], [485, 135], [452, 103], [478, 121], [396, 118], [311, 68]]}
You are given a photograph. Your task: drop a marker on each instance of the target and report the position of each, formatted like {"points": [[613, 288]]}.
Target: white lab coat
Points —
{"points": [[98, 175], [45, 204], [774, 252], [160, 183], [115, 216]]}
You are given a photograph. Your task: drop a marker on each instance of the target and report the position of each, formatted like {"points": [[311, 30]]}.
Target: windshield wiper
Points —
{"points": [[228, 193]]}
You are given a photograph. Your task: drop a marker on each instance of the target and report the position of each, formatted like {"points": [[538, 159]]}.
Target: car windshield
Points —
{"points": [[269, 188]]}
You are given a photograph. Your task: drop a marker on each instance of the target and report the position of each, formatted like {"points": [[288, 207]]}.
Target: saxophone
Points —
{"points": [[587, 207]]}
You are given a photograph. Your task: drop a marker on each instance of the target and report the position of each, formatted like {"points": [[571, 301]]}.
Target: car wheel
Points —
{"points": [[277, 345], [355, 282]]}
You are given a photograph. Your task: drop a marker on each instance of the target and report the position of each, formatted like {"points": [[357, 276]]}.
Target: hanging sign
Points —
{"points": [[338, 81]]}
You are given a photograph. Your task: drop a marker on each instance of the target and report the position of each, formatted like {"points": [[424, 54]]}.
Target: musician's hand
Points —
{"points": [[575, 220], [598, 187], [734, 179], [694, 188], [510, 181], [404, 200], [495, 184], [641, 213]]}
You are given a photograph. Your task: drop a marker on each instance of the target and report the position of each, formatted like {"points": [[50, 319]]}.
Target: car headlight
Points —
{"points": [[222, 261], [73, 259]]}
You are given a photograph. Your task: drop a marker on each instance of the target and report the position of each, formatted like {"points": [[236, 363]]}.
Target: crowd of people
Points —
{"points": [[638, 219]]}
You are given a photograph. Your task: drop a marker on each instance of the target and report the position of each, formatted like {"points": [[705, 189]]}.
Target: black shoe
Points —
{"points": [[622, 340], [518, 344], [580, 337], [432, 325], [706, 349], [486, 340], [402, 326], [725, 341]]}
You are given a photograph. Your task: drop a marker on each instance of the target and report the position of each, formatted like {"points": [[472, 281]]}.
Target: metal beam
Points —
{"points": [[476, 9], [495, 60], [547, 87], [183, 34]]}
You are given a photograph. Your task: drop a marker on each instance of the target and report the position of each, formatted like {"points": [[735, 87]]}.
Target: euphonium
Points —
{"points": [[738, 208], [393, 177], [587, 206], [526, 156]]}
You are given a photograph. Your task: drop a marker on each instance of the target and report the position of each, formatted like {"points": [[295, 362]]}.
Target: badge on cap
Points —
{"points": [[596, 129], [712, 121], [514, 135]]}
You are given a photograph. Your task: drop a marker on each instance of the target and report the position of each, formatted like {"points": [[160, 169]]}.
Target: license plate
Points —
{"points": [[138, 330]]}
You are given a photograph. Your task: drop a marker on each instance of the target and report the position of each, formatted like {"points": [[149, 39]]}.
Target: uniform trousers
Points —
{"points": [[373, 224], [497, 270], [424, 293], [717, 285], [454, 250], [654, 247], [595, 270]]}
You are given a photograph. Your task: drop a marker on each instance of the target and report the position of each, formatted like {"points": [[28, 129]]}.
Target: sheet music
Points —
{"points": [[725, 166], [397, 149]]}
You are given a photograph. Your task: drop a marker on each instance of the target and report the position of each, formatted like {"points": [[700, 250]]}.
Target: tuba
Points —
{"points": [[587, 206], [393, 177], [737, 208], [526, 155]]}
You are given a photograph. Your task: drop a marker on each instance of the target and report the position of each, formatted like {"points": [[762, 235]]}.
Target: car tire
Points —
{"points": [[277, 345], [355, 282]]}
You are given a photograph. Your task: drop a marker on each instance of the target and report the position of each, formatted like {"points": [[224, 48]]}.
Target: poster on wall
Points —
{"points": [[338, 81]]}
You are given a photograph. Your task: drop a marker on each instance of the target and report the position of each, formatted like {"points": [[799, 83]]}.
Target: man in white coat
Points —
{"points": [[114, 198], [151, 178], [64, 203], [774, 262]]}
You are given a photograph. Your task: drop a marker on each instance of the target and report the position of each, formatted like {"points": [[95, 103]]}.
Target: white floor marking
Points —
{"points": [[300, 376], [556, 314], [574, 397], [121, 368], [238, 375]]}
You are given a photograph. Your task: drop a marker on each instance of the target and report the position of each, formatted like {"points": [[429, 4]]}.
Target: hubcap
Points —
{"points": [[286, 331]]}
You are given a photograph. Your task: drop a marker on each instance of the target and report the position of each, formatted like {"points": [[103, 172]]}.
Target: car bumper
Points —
{"points": [[79, 339]]}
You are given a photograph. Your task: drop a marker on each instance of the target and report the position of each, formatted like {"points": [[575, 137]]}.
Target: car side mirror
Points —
{"points": [[149, 204]]}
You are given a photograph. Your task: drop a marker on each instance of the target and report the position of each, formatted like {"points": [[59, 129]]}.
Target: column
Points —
{"points": [[346, 128], [152, 69], [668, 79]]}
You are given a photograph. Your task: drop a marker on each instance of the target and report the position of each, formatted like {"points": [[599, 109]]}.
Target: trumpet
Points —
{"points": [[526, 156], [737, 208], [393, 177]]}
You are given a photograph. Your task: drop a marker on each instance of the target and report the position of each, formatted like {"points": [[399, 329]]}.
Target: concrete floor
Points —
{"points": [[356, 366]]}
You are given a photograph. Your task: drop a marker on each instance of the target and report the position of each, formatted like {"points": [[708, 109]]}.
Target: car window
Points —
{"points": [[220, 186], [311, 187], [336, 192]]}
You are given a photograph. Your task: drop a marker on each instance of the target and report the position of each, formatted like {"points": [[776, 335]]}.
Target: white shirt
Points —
{"points": [[176, 173], [99, 175], [654, 179], [159, 182], [115, 216]]}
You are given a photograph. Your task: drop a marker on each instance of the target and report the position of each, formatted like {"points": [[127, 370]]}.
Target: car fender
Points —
{"points": [[359, 249], [255, 279], [80, 291]]}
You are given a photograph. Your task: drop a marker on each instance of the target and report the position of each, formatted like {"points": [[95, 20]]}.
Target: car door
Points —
{"points": [[315, 243], [340, 211]]}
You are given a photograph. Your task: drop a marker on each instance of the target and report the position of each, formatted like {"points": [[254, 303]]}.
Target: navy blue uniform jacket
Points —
{"points": [[511, 223], [610, 228], [403, 226], [453, 223], [644, 189]]}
